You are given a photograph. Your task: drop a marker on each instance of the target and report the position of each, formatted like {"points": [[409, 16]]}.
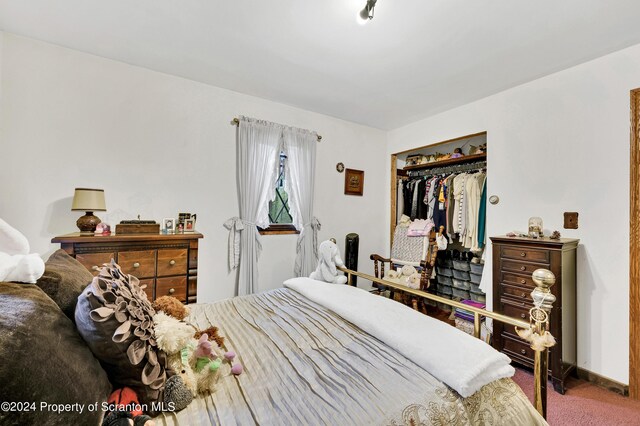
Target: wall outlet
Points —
{"points": [[570, 220]]}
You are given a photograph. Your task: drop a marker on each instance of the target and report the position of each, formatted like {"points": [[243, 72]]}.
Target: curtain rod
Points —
{"points": [[236, 122]]}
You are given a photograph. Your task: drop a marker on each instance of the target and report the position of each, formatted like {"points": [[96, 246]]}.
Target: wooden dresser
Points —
{"points": [[514, 260], [167, 264]]}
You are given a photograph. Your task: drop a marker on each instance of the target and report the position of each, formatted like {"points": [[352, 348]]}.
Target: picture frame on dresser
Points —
{"points": [[168, 225], [166, 263]]}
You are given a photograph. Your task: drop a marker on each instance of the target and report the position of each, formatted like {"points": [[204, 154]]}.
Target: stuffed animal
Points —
{"points": [[175, 339], [123, 409], [409, 277], [16, 264], [391, 275], [329, 259], [413, 281], [174, 308], [197, 362], [171, 306]]}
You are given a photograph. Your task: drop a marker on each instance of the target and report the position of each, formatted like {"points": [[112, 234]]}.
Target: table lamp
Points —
{"points": [[88, 200]]}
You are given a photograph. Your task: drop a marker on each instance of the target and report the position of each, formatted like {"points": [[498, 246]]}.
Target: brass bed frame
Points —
{"points": [[543, 300]]}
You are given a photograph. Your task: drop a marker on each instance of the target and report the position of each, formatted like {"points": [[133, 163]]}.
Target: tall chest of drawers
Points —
{"points": [[514, 260], [166, 264]]}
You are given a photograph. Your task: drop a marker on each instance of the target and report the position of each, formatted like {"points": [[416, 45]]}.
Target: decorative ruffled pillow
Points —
{"points": [[115, 318]]}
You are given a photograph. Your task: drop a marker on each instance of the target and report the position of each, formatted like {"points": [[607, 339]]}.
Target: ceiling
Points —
{"points": [[415, 59]]}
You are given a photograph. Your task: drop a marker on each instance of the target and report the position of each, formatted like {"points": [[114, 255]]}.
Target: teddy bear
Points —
{"points": [[407, 275], [410, 277], [392, 275], [16, 264], [329, 259]]}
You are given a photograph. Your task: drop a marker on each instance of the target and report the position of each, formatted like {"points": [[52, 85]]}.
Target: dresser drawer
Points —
{"points": [[174, 286], [518, 348], [521, 280], [521, 267], [519, 293], [519, 310], [530, 255], [172, 262], [141, 264], [150, 287], [94, 261]]}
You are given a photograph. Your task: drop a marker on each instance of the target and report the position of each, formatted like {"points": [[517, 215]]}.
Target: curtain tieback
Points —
{"points": [[235, 225], [315, 227]]}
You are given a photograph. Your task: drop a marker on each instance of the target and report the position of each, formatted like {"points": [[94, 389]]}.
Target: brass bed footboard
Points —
{"points": [[534, 330]]}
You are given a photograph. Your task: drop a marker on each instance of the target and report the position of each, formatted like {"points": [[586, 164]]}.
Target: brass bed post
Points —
{"points": [[541, 339]]}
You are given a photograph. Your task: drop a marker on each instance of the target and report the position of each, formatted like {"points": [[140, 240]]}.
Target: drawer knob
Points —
{"points": [[523, 295], [95, 267], [523, 315], [523, 351], [523, 254], [523, 268], [136, 265], [172, 262], [523, 281], [172, 290]]}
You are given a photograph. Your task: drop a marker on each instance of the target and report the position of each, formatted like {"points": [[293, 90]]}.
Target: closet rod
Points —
{"points": [[236, 122], [448, 169]]}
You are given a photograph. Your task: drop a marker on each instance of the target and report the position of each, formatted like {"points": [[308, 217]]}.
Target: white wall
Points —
{"points": [[559, 144], [158, 145]]}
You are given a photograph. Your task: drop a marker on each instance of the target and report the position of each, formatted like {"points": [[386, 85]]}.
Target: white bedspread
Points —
{"points": [[459, 360]]}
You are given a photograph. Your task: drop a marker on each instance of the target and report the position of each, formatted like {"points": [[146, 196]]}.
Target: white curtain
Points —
{"points": [[300, 147], [258, 156]]}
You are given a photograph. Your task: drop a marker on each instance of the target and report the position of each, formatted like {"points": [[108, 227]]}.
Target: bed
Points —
{"points": [[313, 354], [306, 365]]}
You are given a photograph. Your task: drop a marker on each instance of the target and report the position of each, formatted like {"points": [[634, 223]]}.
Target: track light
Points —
{"points": [[366, 14]]}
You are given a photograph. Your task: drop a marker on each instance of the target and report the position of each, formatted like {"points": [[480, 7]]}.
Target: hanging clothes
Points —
{"points": [[440, 205], [482, 216], [450, 206], [455, 201], [458, 194], [407, 194], [474, 192]]}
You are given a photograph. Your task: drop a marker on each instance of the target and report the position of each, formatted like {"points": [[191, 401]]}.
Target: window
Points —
{"points": [[279, 216]]}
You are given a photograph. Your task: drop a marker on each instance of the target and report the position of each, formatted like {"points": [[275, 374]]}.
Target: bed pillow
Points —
{"points": [[44, 359], [115, 318], [63, 280]]}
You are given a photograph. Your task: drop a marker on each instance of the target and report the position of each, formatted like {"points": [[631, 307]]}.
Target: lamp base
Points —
{"points": [[87, 223]]}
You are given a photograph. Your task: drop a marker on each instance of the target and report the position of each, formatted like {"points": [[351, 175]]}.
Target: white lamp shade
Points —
{"points": [[89, 200]]}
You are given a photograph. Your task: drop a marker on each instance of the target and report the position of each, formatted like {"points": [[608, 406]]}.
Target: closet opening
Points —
{"points": [[428, 187]]}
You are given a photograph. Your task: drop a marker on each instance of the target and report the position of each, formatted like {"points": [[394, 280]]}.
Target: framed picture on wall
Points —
{"points": [[353, 182]]}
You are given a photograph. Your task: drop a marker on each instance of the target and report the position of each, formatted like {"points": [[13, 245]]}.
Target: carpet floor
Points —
{"points": [[583, 403]]}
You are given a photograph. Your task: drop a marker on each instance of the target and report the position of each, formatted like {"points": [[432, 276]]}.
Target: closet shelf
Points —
{"points": [[449, 162]]}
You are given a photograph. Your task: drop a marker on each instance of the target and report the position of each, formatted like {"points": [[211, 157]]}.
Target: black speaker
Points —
{"points": [[351, 254]]}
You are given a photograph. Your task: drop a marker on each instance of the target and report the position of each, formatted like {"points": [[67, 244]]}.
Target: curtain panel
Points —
{"points": [[300, 147], [257, 159]]}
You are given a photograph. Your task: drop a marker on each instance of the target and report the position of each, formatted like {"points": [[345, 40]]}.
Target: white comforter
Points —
{"points": [[459, 360]]}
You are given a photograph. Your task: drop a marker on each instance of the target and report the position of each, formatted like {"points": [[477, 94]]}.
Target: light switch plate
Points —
{"points": [[570, 220]]}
